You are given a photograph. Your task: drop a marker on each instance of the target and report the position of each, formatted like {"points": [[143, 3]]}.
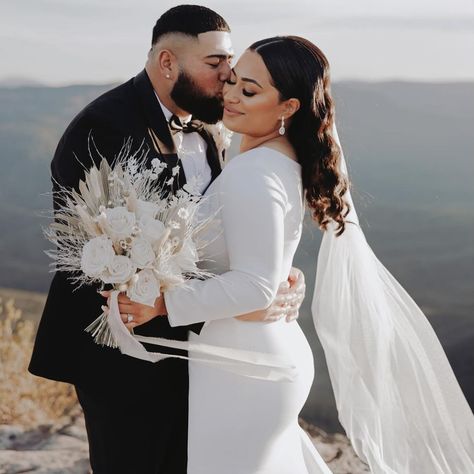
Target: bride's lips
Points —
{"points": [[232, 112]]}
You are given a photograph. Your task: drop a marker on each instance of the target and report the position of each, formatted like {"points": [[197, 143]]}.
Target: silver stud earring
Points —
{"points": [[167, 76], [282, 129]]}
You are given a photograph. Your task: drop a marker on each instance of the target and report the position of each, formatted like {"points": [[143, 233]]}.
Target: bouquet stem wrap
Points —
{"points": [[252, 364]]}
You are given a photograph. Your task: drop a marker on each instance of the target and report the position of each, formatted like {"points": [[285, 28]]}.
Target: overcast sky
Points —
{"points": [[91, 41]]}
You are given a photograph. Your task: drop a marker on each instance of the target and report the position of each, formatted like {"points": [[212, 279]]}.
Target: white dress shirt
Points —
{"points": [[191, 149]]}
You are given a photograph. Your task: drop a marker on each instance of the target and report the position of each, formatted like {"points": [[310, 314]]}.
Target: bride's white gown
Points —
{"points": [[238, 424]]}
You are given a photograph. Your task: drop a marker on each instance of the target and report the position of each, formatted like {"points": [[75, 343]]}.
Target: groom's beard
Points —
{"points": [[187, 95]]}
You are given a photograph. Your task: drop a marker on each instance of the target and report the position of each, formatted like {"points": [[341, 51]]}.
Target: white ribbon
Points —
{"points": [[260, 365]]}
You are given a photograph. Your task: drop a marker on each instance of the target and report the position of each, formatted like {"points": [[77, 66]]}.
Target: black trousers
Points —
{"points": [[133, 438]]}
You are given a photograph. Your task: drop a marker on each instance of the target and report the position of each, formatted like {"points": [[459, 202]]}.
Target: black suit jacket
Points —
{"points": [[63, 350]]}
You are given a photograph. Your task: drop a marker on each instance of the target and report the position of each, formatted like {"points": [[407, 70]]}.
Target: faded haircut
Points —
{"points": [[190, 20]]}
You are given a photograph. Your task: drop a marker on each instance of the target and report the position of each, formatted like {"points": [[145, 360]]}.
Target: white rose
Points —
{"points": [[120, 270], [152, 229], [141, 253], [119, 222], [145, 208], [96, 255], [145, 288]]}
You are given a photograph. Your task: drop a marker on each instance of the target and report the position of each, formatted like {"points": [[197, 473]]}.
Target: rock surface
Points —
{"points": [[62, 449], [336, 450], [45, 449]]}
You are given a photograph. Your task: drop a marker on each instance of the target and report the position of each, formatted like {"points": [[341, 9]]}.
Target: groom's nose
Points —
{"points": [[224, 71]]}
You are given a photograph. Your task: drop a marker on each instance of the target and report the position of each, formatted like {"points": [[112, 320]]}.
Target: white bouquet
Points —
{"points": [[122, 228]]}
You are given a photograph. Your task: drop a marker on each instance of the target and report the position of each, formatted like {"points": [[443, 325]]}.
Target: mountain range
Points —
{"points": [[409, 149]]}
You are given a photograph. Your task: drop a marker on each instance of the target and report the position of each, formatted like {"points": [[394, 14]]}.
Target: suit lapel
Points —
{"points": [[211, 155], [158, 130], [157, 122]]}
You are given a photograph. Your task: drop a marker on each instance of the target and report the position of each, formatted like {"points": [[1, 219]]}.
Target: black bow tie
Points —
{"points": [[189, 127]]}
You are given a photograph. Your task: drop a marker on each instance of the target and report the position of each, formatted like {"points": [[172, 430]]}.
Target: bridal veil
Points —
{"points": [[396, 394]]}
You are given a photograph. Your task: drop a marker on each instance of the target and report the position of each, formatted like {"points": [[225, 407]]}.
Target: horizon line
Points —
{"points": [[39, 84]]}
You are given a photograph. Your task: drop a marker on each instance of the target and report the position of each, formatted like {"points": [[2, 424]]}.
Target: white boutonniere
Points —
{"points": [[222, 138]]}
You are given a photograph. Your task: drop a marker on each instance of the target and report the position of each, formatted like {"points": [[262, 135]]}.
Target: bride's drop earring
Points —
{"points": [[282, 129]]}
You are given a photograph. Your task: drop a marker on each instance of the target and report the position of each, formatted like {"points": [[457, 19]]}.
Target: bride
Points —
{"points": [[396, 395]]}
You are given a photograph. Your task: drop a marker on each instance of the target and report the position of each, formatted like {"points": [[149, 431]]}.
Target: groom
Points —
{"points": [[135, 411]]}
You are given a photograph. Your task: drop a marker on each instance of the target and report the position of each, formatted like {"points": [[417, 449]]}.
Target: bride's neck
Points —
{"points": [[249, 142]]}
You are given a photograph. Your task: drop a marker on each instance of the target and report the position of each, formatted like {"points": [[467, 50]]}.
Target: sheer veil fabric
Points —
{"points": [[396, 394]]}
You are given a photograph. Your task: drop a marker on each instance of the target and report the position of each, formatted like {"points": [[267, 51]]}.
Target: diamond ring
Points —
{"points": [[129, 318]]}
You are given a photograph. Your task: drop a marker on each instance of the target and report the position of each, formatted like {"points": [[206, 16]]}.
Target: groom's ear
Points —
{"points": [[167, 64]]}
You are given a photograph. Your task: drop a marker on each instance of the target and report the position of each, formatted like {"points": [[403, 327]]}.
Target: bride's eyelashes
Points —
{"points": [[244, 92]]}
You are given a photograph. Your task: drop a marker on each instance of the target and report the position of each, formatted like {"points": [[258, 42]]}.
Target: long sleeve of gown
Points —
{"points": [[253, 206]]}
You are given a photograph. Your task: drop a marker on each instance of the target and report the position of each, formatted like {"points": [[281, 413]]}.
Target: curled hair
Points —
{"points": [[300, 70], [190, 20]]}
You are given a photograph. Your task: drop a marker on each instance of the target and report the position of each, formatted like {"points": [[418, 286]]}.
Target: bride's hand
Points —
{"points": [[141, 313], [286, 303]]}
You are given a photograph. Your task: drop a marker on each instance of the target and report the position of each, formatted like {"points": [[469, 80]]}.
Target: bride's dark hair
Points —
{"points": [[300, 70]]}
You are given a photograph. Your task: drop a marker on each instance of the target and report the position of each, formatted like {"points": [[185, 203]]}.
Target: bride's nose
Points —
{"points": [[229, 94]]}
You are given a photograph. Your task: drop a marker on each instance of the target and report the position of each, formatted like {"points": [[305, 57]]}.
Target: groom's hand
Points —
{"points": [[135, 314], [296, 293], [286, 303]]}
